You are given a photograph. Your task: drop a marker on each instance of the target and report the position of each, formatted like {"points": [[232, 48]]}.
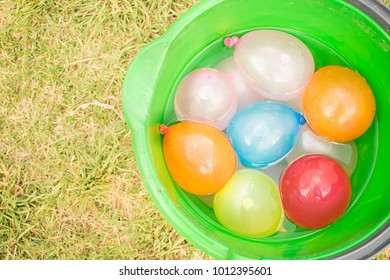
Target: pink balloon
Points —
{"points": [[206, 95], [246, 95]]}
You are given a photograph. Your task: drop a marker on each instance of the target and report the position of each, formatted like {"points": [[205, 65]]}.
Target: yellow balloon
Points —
{"points": [[249, 204]]}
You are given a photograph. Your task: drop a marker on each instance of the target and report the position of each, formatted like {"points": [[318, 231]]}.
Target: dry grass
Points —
{"points": [[384, 255], [69, 185]]}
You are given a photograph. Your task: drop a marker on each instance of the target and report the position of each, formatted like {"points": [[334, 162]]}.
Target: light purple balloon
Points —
{"points": [[206, 95], [276, 64], [246, 95]]}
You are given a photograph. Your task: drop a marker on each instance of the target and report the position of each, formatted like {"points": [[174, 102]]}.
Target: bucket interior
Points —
{"points": [[336, 33]]}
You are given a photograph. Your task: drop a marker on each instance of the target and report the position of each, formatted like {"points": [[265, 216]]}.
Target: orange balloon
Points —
{"points": [[338, 104], [199, 157]]}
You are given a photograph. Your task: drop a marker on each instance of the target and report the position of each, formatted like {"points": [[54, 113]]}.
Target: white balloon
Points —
{"points": [[206, 95], [246, 95], [310, 143], [295, 104], [276, 64], [274, 171]]}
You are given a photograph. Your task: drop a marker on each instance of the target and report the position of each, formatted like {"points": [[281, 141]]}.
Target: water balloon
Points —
{"points": [[315, 191], [276, 64], [263, 133], [249, 204], [199, 157], [310, 143], [206, 95], [338, 104], [245, 94]]}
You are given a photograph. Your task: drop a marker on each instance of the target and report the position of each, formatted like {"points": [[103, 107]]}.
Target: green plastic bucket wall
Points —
{"points": [[352, 34]]}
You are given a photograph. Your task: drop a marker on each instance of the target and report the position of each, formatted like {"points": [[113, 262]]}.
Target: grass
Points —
{"points": [[69, 184]]}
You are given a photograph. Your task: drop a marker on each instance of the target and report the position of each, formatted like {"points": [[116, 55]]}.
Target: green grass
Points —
{"points": [[69, 184]]}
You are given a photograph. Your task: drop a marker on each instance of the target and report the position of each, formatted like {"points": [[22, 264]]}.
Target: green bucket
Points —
{"points": [[353, 34]]}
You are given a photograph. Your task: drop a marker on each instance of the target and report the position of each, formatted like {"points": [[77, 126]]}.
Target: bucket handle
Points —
{"points": [[138, 85]]}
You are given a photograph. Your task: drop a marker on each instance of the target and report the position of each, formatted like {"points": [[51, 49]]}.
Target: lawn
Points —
{"points": [[69, 184]]}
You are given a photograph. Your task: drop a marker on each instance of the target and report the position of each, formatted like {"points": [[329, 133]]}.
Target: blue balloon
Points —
{"points": [[263, 133]]}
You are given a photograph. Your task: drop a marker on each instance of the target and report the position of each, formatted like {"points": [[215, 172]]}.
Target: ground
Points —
{"points": [[69, 184]]}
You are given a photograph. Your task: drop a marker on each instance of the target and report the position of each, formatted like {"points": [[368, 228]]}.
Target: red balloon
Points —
{"points": [[315, 191]]}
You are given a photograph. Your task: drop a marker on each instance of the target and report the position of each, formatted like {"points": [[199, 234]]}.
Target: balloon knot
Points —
{"points": [[302, 120], [163, 129], [230, 41]]}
